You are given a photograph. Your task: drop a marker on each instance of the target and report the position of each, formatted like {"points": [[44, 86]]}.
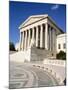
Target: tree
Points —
{"points": [[61, 55], [11, 46]]}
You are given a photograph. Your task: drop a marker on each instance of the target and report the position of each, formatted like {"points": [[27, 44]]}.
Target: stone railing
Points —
{"points": [[54, 62], [56, 68]]}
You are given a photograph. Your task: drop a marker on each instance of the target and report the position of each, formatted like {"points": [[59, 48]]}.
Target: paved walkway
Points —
{"points": [[58, 71], [25, 75]]}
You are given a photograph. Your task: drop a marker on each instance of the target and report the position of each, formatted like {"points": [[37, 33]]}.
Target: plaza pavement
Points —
{"points": [[26, 75], [35, 74]]}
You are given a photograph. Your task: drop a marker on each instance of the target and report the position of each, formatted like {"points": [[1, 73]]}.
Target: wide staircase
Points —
{"points": [[40, 54], [31, 54]]}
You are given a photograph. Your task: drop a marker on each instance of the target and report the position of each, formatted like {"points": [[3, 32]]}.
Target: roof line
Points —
{"points": [[42, 19], [33, 16], [33, 23], [55, 24]]}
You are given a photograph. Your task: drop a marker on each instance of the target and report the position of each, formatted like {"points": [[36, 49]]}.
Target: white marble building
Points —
{"points": [[39, 33], [61, 43]]}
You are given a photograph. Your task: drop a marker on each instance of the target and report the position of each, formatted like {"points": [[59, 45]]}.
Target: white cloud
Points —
{"points": [[55, 7]]}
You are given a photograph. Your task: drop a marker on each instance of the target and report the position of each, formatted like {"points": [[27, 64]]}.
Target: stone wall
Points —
{"points": [[20, 56], [32, 54]]}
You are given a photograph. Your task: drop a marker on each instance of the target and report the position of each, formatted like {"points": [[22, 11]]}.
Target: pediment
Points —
{"points": [[31, 20]]}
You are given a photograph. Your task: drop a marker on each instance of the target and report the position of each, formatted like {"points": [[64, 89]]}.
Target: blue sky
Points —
{"points": [[20, 11]]}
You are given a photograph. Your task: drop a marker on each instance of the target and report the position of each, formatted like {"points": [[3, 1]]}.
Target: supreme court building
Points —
{"points": [[39, 33]]}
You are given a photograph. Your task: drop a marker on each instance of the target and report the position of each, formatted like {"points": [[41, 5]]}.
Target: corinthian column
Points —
{"points": [[46, 36], [54, 39], [41, 37], [36, 36], [50, 37], [33, 32], [28, 37], [23, 40], [20, 41]]}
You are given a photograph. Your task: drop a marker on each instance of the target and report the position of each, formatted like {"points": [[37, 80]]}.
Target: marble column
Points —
{"points": [[46, 36], [50, 37], [23, 40], [28, 38], [33, 33], [54, 40], [37, 36], [41, 36], [20, 41]]}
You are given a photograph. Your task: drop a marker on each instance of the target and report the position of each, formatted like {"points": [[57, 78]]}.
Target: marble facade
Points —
{"points": [[41, 30]]}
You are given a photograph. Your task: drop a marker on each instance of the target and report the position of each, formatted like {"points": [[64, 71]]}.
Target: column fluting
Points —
{"points": [[46, 36], [37, 36], [41, 36], [28, 38]]}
